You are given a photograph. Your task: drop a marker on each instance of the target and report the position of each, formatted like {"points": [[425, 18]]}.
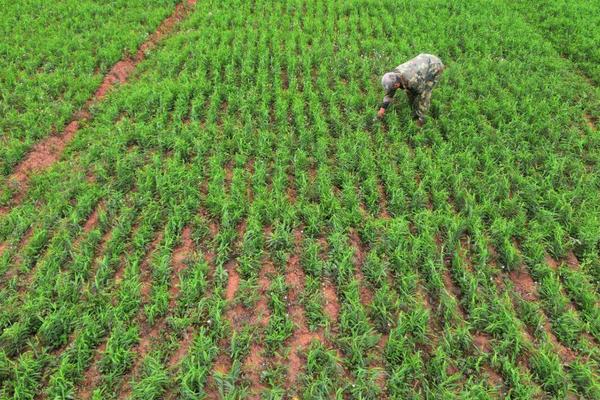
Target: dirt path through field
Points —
{"points": [[48, 151]]}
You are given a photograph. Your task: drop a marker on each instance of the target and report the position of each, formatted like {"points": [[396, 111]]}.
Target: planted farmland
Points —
{"points": [[54, 56], [228, 223]]}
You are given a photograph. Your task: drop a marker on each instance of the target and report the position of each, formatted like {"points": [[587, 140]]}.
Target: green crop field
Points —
{"points": [[228, 223]]}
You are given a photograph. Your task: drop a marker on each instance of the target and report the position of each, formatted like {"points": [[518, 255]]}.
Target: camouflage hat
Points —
{"points": [[388, 81]]}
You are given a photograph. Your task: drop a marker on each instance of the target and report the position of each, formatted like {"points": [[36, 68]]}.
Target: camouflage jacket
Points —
{"points": [[417, 75]]}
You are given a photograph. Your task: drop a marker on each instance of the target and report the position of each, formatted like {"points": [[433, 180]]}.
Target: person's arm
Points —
{"points": [[387, 100]]}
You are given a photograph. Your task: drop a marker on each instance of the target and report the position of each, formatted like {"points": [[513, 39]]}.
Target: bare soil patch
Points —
{"points": [[366, 297], [524, 284], [255, 363], [552, 263], [566, 354], [180, 255], [572, 261], [92, 375], [383, 213], [591, 121], [482, 342], [233, 282], [332, 304], [92, 221], [494, 378]]}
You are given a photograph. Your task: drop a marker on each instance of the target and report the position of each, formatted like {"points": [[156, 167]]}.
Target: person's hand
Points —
{"points": [[380, 113]]}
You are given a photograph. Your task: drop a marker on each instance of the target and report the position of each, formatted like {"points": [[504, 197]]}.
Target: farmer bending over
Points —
{"points": [[417, 77]]}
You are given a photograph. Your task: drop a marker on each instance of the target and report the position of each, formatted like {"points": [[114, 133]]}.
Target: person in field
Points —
{"points": [[417, 77]]}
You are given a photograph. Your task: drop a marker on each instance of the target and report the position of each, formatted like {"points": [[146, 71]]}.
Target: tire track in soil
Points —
{"points": [[150, 334], [47, 151]]}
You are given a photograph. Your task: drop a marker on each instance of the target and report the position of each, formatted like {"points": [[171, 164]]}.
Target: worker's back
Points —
{"points": [[420, 70]]}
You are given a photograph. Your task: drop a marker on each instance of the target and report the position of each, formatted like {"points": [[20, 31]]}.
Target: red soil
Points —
{"points": [[48, 151], [3, 246], [552, 263], [524, 284], [184, 345], [234, 313], [100, 251], [180, 255], [291, 193], [119, 275], [382, 202], [332, 305], [572, 261], [232, 283], [255, 363], [566, 354], [302, 336], [591, 121], [494, 378], [366, 297], [92, 376], [92, 221], [449, 284], [285, 83], [482, 342], [262, 307]]}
